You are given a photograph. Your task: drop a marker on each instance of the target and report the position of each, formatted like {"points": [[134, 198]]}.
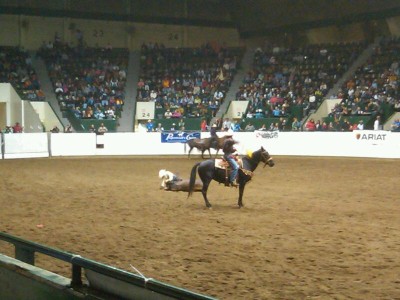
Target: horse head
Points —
{"points": [[266, 158]]}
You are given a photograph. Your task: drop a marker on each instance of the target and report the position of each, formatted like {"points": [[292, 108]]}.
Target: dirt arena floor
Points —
{"points": [[311, 228]]}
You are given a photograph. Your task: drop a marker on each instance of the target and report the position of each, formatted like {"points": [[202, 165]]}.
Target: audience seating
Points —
{"points": [[16, 68]]}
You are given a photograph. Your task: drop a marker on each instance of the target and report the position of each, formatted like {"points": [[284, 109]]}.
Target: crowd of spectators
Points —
{"points": [[186, 82], [336, 125], [193, 82], [89, 81], [374, 85], [282, 77], [16, 68]]}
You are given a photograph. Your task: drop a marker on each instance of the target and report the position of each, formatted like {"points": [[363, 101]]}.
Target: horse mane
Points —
{"points": [[253, 159]]}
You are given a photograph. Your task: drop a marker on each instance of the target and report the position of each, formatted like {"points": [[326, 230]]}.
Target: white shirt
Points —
{"points": [[218, 95], [167, 177], [376, 124]]}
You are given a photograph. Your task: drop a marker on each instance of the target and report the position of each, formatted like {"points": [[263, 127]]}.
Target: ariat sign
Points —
{"points": [[371, 136]]}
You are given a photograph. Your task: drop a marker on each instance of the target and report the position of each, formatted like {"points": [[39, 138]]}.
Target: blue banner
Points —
{"points": [[178, 136]]}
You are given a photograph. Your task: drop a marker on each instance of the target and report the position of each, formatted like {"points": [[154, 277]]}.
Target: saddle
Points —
{"points": [[222, 163]]}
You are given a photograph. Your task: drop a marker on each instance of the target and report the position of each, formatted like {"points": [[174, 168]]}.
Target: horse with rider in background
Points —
{"points": [[206, 144]]}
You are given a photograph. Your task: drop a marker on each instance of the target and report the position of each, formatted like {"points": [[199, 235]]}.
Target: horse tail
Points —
{"points": [[192, 179]]}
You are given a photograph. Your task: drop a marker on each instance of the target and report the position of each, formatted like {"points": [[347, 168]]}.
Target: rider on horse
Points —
{"points": [[229, 151], [213, 134]]}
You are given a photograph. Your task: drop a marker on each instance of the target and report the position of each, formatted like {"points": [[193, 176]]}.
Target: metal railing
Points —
{"points": [[25, 251]]}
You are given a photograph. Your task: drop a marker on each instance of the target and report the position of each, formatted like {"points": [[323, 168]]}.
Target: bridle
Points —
{"points": [[265, 158]]}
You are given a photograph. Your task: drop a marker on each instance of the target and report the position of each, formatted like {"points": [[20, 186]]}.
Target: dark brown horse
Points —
{"points": [[205, 144], [208, 172], [183, 186]]}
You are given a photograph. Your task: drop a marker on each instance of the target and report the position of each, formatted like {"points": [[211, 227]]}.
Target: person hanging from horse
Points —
{"points": [[229, 156], [214, 136], [167, 178]]}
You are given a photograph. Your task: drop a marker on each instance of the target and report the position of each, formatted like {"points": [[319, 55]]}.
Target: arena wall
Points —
{"points": [[30, 32], [14, 110], [46, 114], [17, 110], [349, 33], [31, 120], [394, 25], [10, 34], [374, 144]]}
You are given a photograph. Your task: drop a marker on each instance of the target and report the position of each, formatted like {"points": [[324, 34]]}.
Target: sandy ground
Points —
{"points": [[311, 228]]}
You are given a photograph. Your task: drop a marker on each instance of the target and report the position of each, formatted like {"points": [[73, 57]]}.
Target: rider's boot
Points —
{"points": [[234, 183]]}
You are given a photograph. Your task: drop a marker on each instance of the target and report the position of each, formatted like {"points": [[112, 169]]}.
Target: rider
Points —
{"points": [[214, 136], [229, 151], [167, 178]]}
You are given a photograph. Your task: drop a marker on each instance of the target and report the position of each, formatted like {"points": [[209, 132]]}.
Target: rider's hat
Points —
{"points": [[161, 174], [214, 125]]}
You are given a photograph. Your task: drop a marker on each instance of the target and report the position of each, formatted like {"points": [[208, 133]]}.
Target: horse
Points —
{"points": [[183, 186], [208, 171], [205, 144]]}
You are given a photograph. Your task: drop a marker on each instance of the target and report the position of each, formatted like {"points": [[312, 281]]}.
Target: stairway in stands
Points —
{"points": [[322, 111], [126, 121], [47, 87], [245, 66], [362, 58]]}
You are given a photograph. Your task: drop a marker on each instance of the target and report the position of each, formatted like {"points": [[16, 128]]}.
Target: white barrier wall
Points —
{"points": [[378, 144], [141, 143], [24, 145], [72, 144]]}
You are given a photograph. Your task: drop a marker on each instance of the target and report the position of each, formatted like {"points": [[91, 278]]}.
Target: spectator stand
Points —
{"points": [[374, 88], [89, 82], [292, 82], [191, 83], [16, 68]]}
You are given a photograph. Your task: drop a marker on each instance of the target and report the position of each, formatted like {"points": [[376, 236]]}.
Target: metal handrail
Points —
{"points": [[25, 251]]}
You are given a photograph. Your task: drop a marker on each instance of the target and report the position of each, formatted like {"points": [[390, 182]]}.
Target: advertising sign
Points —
{"points": [[178, 136]]}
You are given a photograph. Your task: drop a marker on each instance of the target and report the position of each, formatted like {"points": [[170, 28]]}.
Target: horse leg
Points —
{"points": [[190, 150], [241, 191], [204, 192], [209, 152]]}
